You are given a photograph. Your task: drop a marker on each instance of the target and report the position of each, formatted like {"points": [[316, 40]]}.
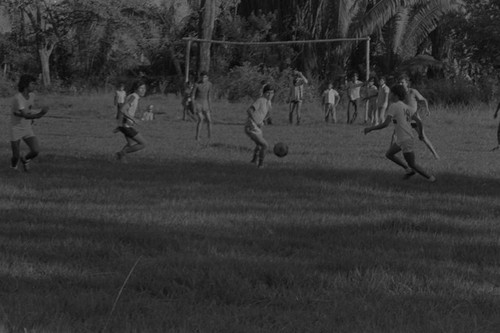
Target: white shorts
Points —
{"points": [[18, 133], [406, 146]]}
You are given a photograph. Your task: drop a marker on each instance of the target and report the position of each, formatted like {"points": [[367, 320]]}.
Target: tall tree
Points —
{"points": [[207, 22]]}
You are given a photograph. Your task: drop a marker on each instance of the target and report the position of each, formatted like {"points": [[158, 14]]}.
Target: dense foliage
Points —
{"points": [[91, 44]]}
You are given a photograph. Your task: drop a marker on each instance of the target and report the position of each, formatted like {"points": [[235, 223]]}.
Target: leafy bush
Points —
{"points": [[457, 91], [244, 83]]}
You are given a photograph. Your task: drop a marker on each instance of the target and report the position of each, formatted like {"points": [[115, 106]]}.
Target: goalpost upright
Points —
{"points": [[190, 40]]}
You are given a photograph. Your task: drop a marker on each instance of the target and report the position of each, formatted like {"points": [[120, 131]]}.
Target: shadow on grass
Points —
{"points": [[263, 263]]}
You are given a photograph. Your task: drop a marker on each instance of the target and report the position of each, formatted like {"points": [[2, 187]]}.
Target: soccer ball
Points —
{"points": [[280, 149]]}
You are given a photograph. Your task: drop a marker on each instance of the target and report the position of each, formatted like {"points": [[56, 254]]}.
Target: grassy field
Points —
{"points": [[189, 237]]}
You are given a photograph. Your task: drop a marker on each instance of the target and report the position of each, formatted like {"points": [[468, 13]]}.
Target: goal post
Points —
{"points": [[190, 40]]}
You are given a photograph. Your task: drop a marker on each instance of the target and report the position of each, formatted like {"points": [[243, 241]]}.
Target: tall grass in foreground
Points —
{"points": [[328, 239]]}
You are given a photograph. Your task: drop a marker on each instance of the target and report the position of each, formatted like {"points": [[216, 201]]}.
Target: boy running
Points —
{"points": [[126, 122], [257, 113], [21, 120], [202, 107], [401, 116], [413, 96], [331, 99]]}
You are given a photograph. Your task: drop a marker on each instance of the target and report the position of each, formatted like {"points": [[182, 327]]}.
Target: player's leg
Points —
{"points": [[410, 159], [326, 110], [334, 113], [208, 119], [391, 155], [135, 143], [355, 113], [16, 153], [290, 113], [349, 103], [367, 110], [498, 137], [199, 121], [298, 111], [32, 143]]}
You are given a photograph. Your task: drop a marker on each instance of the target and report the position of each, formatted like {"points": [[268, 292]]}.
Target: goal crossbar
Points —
{"points": [[190, 40]]}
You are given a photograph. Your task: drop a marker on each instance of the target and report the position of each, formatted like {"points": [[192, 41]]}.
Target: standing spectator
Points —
{"points": [[202, 103], [331, 99], [354, 94], [382, 100], [371, 93], [296, 95]]}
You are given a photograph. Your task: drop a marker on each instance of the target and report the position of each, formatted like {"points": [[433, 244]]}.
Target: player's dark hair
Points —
{"points": [[267, 88], [203, 73], [136, 86], [24, 82], [404, 77], [399, 91]]}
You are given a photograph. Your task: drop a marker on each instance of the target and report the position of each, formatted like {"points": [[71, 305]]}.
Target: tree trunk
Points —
{"points": [[206, 30], [44, 61]]}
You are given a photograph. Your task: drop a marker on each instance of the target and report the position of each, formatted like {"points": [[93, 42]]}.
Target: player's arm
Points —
{"points": [[23, 114], [421, 98], [303, 78], [115, 100], [250, 112], [419, 128], [337, 98], [496, 112], [380, 126]]}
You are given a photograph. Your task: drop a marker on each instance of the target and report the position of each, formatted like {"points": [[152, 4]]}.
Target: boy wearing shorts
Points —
{"points": [[257, 114], [401, 116]]}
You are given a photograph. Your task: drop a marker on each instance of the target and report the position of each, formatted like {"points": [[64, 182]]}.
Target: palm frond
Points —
{"points": [[400, 26], [424, 21]]}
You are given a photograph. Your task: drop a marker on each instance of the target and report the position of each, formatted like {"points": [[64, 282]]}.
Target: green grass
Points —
{"points": [[327, 239]]}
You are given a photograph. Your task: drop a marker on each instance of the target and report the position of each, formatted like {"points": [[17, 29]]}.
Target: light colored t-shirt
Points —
{"points": [[401, 117], [297, 89], [21, 103], [330, 96], [260, 109], [120, 96], [382, 99], [131, 107], [354, 92]]}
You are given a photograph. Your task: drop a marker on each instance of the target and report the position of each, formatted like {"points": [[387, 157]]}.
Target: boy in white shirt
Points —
{"points": [[21, 120], [401, 115], [331, 99], [257, 114]]}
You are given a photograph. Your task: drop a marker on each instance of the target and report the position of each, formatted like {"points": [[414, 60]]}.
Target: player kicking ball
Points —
{"points": [[401, 116], [257, 114]]}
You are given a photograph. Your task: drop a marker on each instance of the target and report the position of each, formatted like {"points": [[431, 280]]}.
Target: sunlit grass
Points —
{"points": [[326, 239]]}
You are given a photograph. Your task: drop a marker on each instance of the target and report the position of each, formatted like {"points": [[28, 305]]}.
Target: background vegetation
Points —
{"points": [[447, 46]]}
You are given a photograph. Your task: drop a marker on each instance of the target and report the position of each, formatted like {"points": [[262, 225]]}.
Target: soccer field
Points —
{"points": [[190, 237]]}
